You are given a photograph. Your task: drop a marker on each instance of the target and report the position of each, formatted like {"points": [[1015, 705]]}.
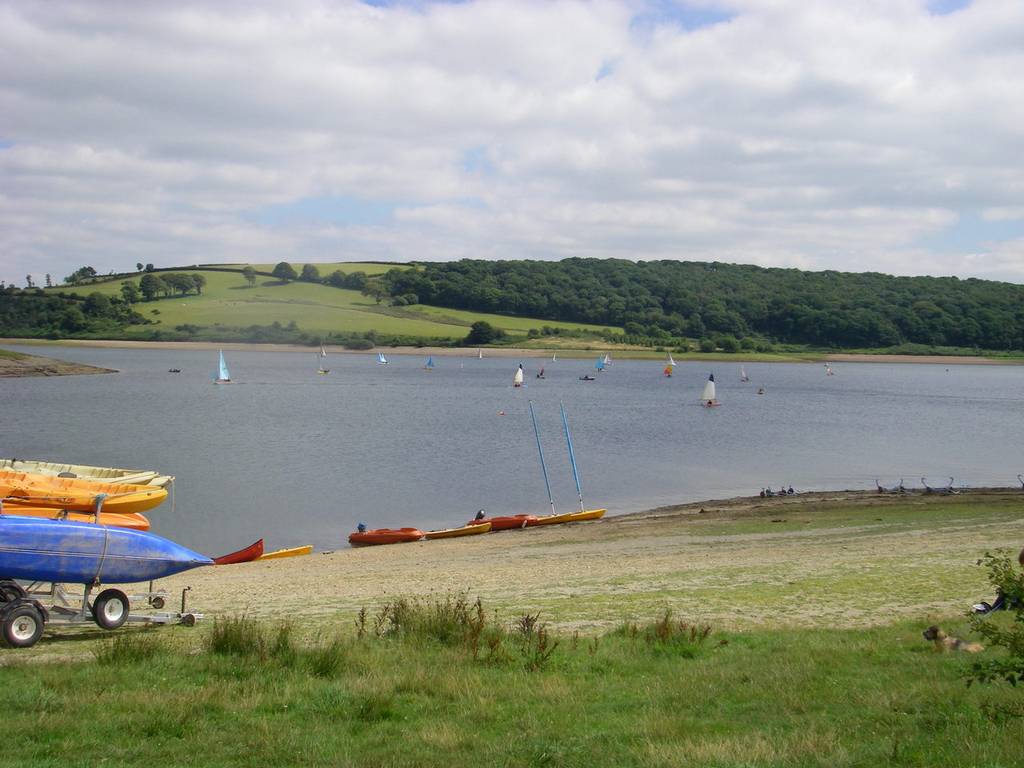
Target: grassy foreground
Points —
{"points": [[655, 695]]}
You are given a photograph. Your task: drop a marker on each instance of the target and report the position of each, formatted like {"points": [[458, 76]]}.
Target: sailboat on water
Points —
{"points": [[517, 380], [479, 354], [607, 359], [600, 364], [671, 361], [708, 397], [540, 373], [554, 357], [381, 359], [223, 374], [320, 358], [668, 371], [429, 365], [743, 374], [828, 370]]}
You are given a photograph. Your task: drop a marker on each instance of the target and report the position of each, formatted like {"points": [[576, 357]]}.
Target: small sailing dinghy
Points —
{"points": [[671, 361], [517, 380], [828, 370], [540, 373], [554, 357], [743, 374], [321, 357], [381, 359], [600, 364], [223, 374], [668, 371], [708, 397], [479, 354], [429, 365]]}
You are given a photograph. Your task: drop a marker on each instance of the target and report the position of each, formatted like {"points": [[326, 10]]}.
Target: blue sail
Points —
{"points": [[599, 364], [430, 363]]}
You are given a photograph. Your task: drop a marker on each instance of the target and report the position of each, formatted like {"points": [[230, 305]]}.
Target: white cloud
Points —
{"points": [[798, 133]]}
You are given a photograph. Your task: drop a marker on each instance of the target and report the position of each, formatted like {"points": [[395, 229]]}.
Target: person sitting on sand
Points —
{"points": [[480, 515], [361, 527]]}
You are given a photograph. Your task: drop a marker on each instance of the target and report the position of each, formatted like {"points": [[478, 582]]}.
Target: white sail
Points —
{"points": [[708, 395], [223, 374], [517, 380], [480, 354], [323, 352], [670, 360], [381, 360], [743, 374], [554, 357]]}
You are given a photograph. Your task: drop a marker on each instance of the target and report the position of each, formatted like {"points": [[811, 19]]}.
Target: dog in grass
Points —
{"points": [[944, 642]]}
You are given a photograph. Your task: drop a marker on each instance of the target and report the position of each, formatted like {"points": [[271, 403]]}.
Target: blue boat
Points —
{"points": [[61, 551]]}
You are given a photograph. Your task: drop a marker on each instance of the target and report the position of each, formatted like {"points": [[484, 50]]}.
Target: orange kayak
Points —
{"points": [[506, 522], [134, 521], [384, 536], [78, 495], [253, 552]]}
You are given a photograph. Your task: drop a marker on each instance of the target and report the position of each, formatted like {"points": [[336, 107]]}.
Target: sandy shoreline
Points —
{"points": [[33, 365], [511, 352]]}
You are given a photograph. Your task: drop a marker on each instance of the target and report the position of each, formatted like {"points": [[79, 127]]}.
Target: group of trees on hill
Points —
{"points": [[152, 285], [35, 313], [696, 299]]}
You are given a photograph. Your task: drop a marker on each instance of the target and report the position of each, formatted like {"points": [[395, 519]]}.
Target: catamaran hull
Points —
{"points": [[80, 553]]}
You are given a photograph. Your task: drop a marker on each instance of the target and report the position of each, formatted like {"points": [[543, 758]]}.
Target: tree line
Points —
{"points": [[672, 299]]}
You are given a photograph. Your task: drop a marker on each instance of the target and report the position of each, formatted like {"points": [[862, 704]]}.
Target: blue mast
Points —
{"points": [[572, 454], [543, 464]]}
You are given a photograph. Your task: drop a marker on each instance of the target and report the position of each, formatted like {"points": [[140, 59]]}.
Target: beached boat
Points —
{"points": [[77, 495], [223, 375], [134, 521], [384, 536], [246, 555], [505, 522], [62, 551], [453, 533], [708, 397], [86, 472], [305, 549]]}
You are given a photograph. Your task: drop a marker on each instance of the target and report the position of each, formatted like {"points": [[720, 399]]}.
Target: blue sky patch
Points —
{"points": [[688, 17], [944, 7], [971, 233]]}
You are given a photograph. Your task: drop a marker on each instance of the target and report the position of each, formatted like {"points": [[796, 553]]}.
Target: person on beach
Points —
{"points": [[480, 515], [361, 527]]}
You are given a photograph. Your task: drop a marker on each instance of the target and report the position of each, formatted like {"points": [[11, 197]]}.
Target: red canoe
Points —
{"points": [[506, 523], [246, 555], [384, 536]]}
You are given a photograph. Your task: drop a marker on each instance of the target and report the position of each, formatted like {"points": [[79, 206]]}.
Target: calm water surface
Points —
{"points": [[300, 458]]}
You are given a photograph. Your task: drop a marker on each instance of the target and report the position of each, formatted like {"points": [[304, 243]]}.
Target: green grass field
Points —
{"points": [[227, 300]]}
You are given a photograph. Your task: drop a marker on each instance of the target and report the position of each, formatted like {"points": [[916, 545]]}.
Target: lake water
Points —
{"points": [[300, 458]]}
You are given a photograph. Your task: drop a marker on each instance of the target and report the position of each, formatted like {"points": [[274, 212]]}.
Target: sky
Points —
{"points": [[882, 135]]}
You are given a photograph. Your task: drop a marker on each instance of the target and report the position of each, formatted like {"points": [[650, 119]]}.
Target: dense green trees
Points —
{"points": [[38, 314], [284, 272], [310, 273], [482, 332], [701, 300]]}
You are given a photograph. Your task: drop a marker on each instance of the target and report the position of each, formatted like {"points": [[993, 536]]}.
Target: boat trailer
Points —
{"points": [[26, 607]]}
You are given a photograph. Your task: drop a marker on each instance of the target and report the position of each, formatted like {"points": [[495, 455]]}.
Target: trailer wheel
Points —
{"points": [[23, 626], [110, 609], [10, 591], [157, 602]]}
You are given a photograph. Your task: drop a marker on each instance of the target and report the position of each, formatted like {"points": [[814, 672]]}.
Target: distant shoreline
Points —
{"points": [[518, 352], [21, 365]]}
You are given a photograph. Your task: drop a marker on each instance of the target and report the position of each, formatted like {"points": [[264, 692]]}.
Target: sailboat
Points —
{"points": [[668, 371], [671, 361], [583, 514], [381, 359], [600, 364], [223, 374], [517, 380], [607, 359], [320, 361], [554, 357], [429, 365], [743, 374], [540, 373], [708, 398], [828, 370], [479, 354]]}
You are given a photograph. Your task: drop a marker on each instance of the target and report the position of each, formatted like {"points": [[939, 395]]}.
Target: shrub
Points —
{"points": [[1008, 581], [130, 648]]}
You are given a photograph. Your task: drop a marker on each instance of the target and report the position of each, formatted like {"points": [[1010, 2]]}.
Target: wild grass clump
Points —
{"points": [[245, 636], [130, 648], [668, 634], [449, 621], [327, 660]]}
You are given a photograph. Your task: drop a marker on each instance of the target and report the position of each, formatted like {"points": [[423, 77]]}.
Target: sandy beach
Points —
{"points": [[848, 558], [22, 365]]}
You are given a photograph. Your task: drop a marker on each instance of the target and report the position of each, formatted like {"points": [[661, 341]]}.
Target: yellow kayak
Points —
{"points": [[86, 472], [454, 533], [78, 495], [135, 521], [292, 552], [568, 517]]}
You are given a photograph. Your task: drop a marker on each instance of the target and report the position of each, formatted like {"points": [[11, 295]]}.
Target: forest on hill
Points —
{"points": [[672, 299]]}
